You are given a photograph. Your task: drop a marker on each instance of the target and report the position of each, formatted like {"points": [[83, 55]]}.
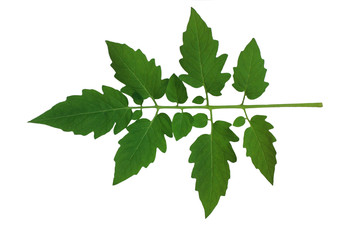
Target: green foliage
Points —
{"points": [[99, 113], [198, 100], [135, 96], [135, 71], [176, 90], [199, 57], [136, 115], [249, 74], [89, 112], [200, 120], [258, 142], [211, 153], [181, 125], [138, 147], [239, 121]]}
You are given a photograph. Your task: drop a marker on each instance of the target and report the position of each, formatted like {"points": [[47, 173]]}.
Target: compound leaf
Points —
{"points": [[200, 120], [98, 112], [258, 142], [211, 154], [134, 70], [199, 60], [198, 100], [89, 112], [176, 91], [182, 125], [249, 74], [138, 146]]}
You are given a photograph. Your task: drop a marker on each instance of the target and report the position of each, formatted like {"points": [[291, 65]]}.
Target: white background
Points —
{"points": [[54, 185]]}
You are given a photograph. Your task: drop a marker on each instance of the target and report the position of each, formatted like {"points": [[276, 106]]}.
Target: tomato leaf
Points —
{"points": [[135, 71], [176, 91], [249, 74], [211, 153], [200, 120], [199, 57], [182, 125], [136, 115], [258, 142], [239, 121], [198, 100], [138, 147], [96, 112], [89, 112]]}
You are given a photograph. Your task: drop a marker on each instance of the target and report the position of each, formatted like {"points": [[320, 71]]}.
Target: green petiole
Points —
{"points": [[212, 107]]}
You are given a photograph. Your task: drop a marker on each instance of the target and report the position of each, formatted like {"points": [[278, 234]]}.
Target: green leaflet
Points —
{"points": [[89, 112], [176, 91], [135, 71], [239, 121], [136, 115], [199, 57], [138, 147], [198, 100], [211, 154], [258, 142], [182, 125], [249, 74], [200, 120], [134, 95]]}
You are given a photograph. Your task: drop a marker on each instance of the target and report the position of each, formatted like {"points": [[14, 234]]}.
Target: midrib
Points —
{"points": [[84, 113]]}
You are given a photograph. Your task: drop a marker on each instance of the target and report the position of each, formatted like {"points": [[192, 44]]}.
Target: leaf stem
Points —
{"points": [[209, 107], [154, 102], [243, 100], [157, 111], [246, 116], [319, 104], [212, 107]]}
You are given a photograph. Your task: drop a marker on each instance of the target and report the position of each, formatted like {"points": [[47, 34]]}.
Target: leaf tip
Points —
{"points": [[35, 120], [271, 181], [194, 12], [208, 212], [108, 42], [270, 178], [116, 181]]}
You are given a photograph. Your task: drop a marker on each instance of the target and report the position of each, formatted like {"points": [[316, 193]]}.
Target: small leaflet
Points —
{"points": [[198, 100]]}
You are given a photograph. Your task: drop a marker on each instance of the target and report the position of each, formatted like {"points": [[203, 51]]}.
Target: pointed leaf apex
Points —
{"points": [[32, 121], [109, 42], [208, 212]]}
